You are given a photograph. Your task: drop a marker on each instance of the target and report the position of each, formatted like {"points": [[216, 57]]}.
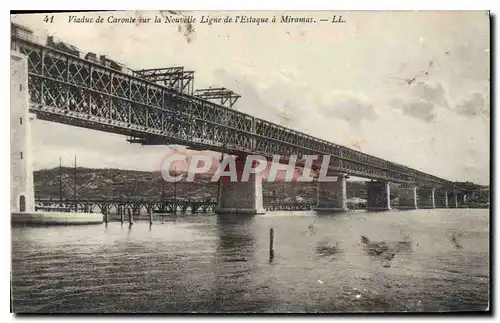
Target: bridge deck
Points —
{"points": [[156, 206], [69, 89]]}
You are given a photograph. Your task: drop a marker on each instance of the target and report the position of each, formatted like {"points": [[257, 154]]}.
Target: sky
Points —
{"points": [[407, 86]]}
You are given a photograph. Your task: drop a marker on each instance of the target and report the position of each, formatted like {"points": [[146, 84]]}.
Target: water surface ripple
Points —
{"points": [[421, 260]]}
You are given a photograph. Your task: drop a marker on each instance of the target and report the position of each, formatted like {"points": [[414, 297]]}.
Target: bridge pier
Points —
{"points": [[408, 198], [453, 200], [332, 196], [426, 198], [462, 199], [379, 196], [441, 199], [240, 197], [21, 170]]}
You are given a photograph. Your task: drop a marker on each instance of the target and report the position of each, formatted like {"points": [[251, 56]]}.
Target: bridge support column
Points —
{"points": [[241, 197], [452, 200], [408, 198], [332, 196], [462, 199], [22, 186], [379, 196], [441, 199], [426, 198]]}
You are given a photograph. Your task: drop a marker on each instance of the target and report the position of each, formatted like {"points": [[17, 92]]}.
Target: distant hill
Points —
{"points": [[119, 183]]}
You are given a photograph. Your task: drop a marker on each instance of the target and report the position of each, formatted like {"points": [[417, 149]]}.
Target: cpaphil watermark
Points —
{"points": [[178, 167]]}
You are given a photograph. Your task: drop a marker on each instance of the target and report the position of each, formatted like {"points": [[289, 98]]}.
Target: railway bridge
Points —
{"points": [[145, 206], [56, 82]]}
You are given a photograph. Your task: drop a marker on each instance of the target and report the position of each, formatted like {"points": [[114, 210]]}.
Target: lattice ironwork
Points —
{"points": [[68, 89], [115, 206], [226, 97], [172, 77]]}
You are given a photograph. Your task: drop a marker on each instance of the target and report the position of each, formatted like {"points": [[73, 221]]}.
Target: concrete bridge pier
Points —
{"points": [[426, 198], [240, 197], [21, 169], [441, 199], [408, 198], [332, 196], [379, 196], [452, 199], [462, 199]]}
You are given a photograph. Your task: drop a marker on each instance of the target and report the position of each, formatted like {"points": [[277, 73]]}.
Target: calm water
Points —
{"points": [[216, 264]]}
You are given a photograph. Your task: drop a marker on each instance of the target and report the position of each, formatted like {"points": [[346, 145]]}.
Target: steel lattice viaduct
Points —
{"points": [[160, 107]]}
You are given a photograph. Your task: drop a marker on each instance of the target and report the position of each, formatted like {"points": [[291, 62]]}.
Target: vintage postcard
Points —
{"points": [[250, 162]]}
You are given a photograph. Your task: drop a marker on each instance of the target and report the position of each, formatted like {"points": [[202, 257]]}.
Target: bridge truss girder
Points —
{"points": [[71, 90], [172, 77], [227, 97]]}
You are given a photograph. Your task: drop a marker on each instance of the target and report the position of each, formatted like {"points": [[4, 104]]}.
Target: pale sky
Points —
{"points": [[410, 87]]}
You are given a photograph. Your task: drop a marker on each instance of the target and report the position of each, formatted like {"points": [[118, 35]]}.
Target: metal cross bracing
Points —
{"points": [[71, 90], [117, 205], [227, 97], [158, 206], [172, 77]]}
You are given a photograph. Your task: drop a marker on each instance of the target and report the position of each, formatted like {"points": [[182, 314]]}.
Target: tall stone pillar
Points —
{"points": [[408, 198], [426, 199], [379, 196], [332, 196], [21, 169], [441, 199], [241, 197]]}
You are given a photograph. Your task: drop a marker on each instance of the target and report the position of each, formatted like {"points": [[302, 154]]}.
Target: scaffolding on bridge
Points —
{"points": [[172, 77], [227, 97]]}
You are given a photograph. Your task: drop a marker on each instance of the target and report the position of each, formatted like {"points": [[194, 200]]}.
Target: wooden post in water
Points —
{"points": [[121, 211], [271, 244], [151, 216], [130, 217]]}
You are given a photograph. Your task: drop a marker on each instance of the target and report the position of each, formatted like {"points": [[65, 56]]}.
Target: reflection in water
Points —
{"points": [[235, 234], [235, 265], [221, 264]]}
